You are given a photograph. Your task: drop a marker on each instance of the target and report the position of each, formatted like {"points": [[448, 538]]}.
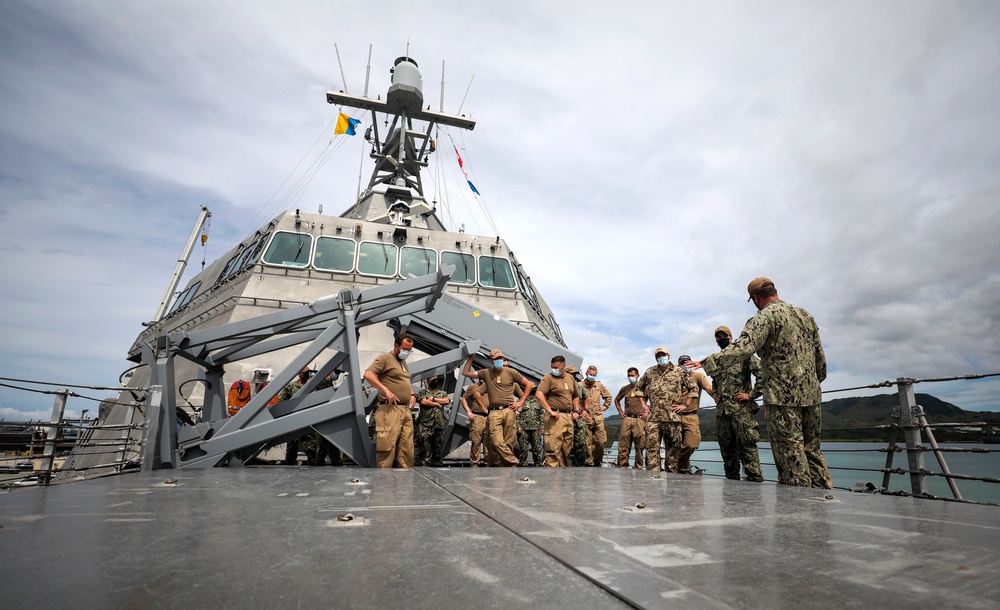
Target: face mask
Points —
{"points": [[556, 372], [432, 386], [633, 379], [403, 354], [498, 364], [664, 361], [723, 343], [591, 378]]}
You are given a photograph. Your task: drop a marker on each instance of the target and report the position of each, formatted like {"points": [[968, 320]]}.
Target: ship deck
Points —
{"points": [[485, 538]]}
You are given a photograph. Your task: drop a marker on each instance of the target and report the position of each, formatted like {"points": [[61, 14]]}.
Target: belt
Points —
{"points": [[627, 416], [498, 408]]}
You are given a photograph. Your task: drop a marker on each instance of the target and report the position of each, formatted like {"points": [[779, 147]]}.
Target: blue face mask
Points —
{"points": [[556, 372], [591, 378], [663, 361], [633, 379], [498, 364]]}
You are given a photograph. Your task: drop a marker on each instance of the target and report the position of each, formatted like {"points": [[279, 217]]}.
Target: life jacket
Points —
{"points": [[239, 396]]}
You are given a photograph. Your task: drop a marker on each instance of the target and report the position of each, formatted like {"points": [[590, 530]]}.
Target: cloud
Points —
{"points": [[643, 162]]}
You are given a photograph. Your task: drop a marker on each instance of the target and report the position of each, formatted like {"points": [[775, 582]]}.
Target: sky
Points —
{"points": [[643, 160]]}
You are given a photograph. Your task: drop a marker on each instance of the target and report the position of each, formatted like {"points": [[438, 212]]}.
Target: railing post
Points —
{"points": [[48, 454], [911, 432]]}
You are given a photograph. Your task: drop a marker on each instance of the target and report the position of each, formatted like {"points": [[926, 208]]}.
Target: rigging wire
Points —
{"points": [[253, 221], [480, 199]]}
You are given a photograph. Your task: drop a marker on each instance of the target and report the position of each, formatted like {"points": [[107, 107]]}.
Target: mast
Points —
{"points": [[402, 153]]}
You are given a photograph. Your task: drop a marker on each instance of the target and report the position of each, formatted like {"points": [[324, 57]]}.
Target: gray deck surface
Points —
{"points": [[483, 538]]}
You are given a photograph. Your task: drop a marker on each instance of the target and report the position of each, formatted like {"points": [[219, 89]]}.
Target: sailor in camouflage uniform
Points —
{"points": [[793, 366], [667, 391], [529, 432], [734, 413], [578, 455], [292, 447], [430, 424]]}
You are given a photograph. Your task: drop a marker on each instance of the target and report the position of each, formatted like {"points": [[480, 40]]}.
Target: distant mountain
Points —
{"points": [[857, 418]]}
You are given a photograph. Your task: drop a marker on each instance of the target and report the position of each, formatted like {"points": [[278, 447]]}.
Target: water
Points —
{"points": [[850, 463]]}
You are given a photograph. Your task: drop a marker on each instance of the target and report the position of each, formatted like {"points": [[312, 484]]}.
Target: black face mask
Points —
{"points": [[432, 386], [723, 343]]}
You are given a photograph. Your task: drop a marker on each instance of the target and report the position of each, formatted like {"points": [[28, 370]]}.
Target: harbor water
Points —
{"points": [[850, 463]]}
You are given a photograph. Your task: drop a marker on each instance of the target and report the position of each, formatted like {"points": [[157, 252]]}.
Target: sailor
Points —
{"points": [[558, 396], [633, 428], [666, 392], [598, 401], [503, 408], [578, 454], [680, 456], [793, 365], [292, 446], [430, 426], [529, 432], [735, 423], [475, 407], [393, 423]]}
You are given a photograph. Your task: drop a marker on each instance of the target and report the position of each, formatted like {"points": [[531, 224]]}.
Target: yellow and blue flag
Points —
{"points": [[345, 124]]}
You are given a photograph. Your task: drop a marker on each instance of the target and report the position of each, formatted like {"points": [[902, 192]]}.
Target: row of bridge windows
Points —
{"points": [[385, 260]]}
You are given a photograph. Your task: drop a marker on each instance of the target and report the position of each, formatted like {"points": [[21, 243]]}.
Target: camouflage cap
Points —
{"points": [[571, 369], [757, 285], [660, 350], [496, 354], [433, 379], [723, 329]]}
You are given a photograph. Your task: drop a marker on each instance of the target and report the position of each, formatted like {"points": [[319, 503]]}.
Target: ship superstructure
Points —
{"points": [[389, 233]]}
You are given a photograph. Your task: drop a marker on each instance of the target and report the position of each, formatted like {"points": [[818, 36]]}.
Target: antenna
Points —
{"points": [[342, 78], [442, 86], [465, 96], [368, 69]]}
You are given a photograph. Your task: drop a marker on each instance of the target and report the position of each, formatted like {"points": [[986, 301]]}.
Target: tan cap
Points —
{"points": [[571, 369], [496, 354], [757, 285], [433, 379], [723, 329], [661, 349]]}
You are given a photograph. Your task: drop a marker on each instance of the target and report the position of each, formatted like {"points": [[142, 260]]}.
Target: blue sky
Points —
{"points": [[644, 161]]}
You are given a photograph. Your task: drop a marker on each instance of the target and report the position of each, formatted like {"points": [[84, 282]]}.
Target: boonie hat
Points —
{"points": [[571, 369], [723, 329], [496, 354], [661, 349], [757, 285]]}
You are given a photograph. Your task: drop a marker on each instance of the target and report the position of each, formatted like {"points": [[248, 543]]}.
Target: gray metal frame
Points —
{"points": [[449, 334], [337, 413]]}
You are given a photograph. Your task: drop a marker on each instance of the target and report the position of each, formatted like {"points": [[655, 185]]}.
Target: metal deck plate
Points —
{"points": [[464, 537]]}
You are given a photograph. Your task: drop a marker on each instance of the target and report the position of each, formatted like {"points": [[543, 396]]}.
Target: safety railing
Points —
{"points": [[910, 419], [34, 452]]}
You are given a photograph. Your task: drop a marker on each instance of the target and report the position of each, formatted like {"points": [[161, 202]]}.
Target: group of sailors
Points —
{"points": [[560, 421]]}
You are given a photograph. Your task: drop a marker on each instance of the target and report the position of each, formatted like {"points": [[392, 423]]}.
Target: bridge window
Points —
{"points": [[289, 249], [185, 297], [334, 254], [495, 272], [418, 261], [465, 267], [377, 258]]}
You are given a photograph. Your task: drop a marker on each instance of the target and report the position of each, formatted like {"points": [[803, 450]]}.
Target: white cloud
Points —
{"points": [[643, 162]]}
